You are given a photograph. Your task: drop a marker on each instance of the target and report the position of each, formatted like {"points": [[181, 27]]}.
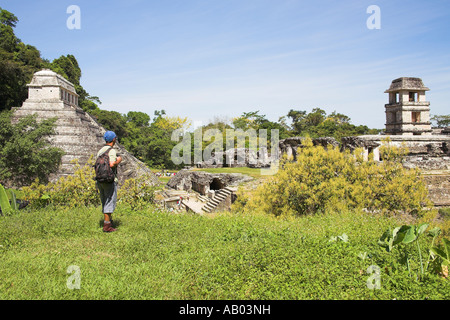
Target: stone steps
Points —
{"points": [[218, 198]]}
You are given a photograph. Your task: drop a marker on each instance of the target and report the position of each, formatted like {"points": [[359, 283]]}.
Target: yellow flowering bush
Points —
{"points": [[137, 193], [71, 191], [80, 190], [323, 179]]}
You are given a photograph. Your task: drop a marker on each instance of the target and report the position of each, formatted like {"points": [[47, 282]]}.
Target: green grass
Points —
{"points": [[253, 172], [445, 212], [163, 179], [157, 255]]}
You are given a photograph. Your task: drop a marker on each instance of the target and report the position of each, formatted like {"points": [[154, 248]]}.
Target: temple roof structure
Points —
{"points": [[407, 83]]}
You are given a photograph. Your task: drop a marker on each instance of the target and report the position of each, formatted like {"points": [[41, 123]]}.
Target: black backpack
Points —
{"points": [[103, 170]]}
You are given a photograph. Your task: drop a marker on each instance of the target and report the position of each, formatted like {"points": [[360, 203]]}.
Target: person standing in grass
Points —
{"points": [[108, 190]]}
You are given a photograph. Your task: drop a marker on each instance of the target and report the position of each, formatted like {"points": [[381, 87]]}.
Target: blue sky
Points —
{"points": [[204, 59]]}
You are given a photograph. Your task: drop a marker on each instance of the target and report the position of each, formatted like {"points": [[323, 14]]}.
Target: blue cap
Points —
{"points": [[109, 136]]}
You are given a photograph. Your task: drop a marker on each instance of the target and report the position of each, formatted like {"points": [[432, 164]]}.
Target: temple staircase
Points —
{"points": [[219, 198]]}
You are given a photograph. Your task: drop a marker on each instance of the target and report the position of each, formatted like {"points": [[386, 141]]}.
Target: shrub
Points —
{"points": [[80, 190], [323, 179], [137, 193], [76, 190], [25, 151]]}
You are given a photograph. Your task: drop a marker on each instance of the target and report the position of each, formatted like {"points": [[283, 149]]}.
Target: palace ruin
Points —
{"points": [[407, 124]]}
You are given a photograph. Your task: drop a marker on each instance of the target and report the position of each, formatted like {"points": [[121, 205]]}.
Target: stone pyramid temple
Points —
{"points": [[77, 133]]}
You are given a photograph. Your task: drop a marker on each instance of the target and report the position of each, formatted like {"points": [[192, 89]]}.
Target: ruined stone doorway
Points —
{"points": [[216, 184]]}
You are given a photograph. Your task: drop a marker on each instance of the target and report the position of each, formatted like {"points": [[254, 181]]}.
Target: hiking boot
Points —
{"points": [[107, 227]]}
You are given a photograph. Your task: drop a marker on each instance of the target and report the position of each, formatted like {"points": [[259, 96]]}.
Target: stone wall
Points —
{"points": [[201, 181], [438, 188], [290, 145], [237, 157], [430, 152]]}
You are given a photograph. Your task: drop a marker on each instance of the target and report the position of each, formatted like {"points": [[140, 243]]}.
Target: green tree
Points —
{"points": [[249, 120], [112, 120], [304, 123], [441, 121], [13, 80], [68, 67], [318, 124], [256, 121], [158, 141], [338, 117], [158, 147], [8, 40], [18, 62], [26, 153], [7, 18], [315, 117], [29, 56], [137, 127], [149, 142], [139, 119], [297, 117]]}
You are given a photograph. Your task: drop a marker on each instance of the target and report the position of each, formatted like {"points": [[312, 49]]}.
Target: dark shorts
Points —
{"points": [[108, 196]]}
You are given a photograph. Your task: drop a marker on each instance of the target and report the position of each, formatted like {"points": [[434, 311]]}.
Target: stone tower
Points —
{"points": [[77, 133], [407, 112]]}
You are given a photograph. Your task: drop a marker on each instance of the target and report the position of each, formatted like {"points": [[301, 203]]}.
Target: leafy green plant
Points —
{"points": [[137, 193], [435, 232], [37, 194], [14, 206], [4, 201], [72, 191], [412, 235], [444, 255], [409, 234], [343, 237], [26, 152], [389, 239]]}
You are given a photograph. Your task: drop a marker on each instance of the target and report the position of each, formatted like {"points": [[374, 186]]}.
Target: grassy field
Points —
{"points": [[252, 172], [162, 178], [157, 255]]}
